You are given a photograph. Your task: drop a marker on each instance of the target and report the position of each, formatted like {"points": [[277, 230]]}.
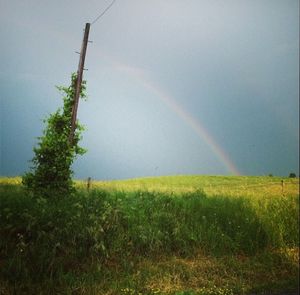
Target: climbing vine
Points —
{"points": [[51, 173]]}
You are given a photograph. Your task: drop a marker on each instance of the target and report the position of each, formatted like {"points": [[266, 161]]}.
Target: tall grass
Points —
{"points": [[49, 238]]}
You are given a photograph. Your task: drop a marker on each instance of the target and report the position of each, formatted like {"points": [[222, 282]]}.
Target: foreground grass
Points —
{"points": [[140, 242], [265, 273]]}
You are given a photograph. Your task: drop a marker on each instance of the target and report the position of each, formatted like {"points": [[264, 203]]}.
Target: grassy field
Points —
{"points": [[165, 235], [211, 185]]}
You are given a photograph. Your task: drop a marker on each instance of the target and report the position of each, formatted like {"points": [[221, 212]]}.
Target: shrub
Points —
{"points": [[51, 173], [292, 175]]}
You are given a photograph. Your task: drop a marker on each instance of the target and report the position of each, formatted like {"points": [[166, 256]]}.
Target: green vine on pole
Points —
{"points": [[51, 173]]}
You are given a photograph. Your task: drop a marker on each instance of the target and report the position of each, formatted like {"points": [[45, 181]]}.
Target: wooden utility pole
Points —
{"points": [[79, 80]]}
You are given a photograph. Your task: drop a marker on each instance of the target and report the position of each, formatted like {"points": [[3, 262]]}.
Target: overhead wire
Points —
{"points": [[104, 11]]}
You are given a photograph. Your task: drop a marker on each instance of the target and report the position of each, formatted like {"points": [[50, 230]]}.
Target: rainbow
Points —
{"points": [[196, 125], [168, 100]]}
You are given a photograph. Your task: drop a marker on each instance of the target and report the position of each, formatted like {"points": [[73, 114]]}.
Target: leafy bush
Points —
{"points": [[292, 175], [51, 173]]}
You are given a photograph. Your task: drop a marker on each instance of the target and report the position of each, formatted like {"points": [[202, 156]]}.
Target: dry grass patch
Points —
{"points": [[237, 274]]}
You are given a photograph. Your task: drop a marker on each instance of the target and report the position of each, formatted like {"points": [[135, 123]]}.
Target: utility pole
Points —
{"points": [[79, 80]]}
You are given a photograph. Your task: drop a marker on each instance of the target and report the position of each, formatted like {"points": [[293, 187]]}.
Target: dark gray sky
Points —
{"points": [[175, 87]]}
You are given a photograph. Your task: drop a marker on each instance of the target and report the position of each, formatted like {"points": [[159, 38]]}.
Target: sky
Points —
{"points": [[174, 87]]}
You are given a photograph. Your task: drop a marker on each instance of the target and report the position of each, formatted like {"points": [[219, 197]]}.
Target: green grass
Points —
{"points": [[168, 235], [262, 186]]}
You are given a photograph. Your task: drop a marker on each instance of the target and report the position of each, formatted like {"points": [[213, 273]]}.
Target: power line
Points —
{"points": [[104, 11]]}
